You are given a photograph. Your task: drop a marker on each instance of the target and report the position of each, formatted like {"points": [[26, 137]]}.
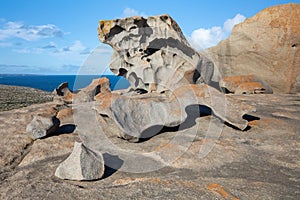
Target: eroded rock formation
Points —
{"points": [[153, 54], [167, 77], [264, 157], [267, 45]]}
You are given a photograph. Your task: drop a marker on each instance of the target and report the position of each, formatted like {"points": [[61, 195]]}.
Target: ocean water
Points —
{"points": [[50, 82]]}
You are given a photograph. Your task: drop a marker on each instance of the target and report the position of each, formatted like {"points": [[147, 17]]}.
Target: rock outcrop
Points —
{"points": [[264, 157], [63, 95], [266, 45], [169, 88], [198, 146], [42, 126], [82, 164], [153, 54], [245, 85], [87, 94]]}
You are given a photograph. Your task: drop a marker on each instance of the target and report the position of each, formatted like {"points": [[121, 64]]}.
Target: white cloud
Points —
{"points": [[76, 48], [129, 12], [205, 38], [229, 23], [29, 33]]}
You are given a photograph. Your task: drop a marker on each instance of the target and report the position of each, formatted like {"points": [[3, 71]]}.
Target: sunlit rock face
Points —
{"points": [[153, 54], [266, 45]]}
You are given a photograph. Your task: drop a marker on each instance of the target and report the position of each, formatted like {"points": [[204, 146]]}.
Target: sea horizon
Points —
{"points": [[48, 82]]}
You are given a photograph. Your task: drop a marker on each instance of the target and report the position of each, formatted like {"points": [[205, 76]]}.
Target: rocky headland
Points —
{"points": [[192, 125]]}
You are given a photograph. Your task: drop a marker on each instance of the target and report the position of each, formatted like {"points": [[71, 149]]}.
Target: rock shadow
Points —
{"points": [[112, 164], [247, 117], [67, 128], [193, 112], [64, 129]]}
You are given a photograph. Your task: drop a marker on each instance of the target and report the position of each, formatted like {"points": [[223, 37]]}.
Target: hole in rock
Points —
{"points": [[141, 22], [122, 72], [115, 30], [141, 91], [164, 18], [96, 90], [132, 28]]}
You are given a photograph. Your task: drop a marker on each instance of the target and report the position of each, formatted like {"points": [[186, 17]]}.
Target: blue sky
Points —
{"points": [[60, 36]]}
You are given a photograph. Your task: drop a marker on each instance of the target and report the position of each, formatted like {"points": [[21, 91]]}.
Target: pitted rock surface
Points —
{"points": [[153, 54]]}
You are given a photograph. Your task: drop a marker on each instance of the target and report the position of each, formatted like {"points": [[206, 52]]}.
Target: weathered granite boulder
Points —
{"points": [[248, 84], [82, 164], [137, 115], [153, 54], [156, 58], [87, 94], [266, 45], [41, 126], [63, 95]]}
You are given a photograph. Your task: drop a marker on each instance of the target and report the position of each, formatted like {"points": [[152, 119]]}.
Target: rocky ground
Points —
{"points": [[13, 97], [260, 163]]}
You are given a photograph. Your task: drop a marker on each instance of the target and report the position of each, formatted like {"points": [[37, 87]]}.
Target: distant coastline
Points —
{"points": [[50, 82]]}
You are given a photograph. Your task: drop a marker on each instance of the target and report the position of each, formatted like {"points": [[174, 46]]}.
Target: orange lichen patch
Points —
{"points": [[191, 88], [232, 82], [254, 122], [250, 88], [214, 187], [237, 80], [102, 83], [157, 181], [105, 99], [105, 26], [64, 113], [68, 97], [169, 147], [273, 123], [128, 180]]}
